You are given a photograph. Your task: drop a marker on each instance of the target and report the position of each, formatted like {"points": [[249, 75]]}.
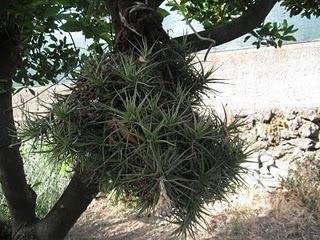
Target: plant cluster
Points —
{"points": [[133, 121]]}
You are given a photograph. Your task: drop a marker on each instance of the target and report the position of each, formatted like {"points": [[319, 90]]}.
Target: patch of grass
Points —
{"points": [[301, 190], [241, 222], [47, 179]]}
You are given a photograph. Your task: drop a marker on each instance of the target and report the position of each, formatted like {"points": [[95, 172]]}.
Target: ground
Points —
{"points": [[250, 215]]}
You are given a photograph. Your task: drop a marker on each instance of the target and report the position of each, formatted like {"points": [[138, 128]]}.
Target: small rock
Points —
{"points": [[292, 158], [278, 152], [260, 145], [287, 134], [312, 115], [302, 143], [291, 115], [287, 147], [266, 116], [317, 146], [309, 129], [261, 132], [294, 124], [298, 152]]}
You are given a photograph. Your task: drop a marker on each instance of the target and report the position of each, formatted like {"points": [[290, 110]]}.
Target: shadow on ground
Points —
{"points": [[259, 219]]}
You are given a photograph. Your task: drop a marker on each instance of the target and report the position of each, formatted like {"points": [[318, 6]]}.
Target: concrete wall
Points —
{"points": [[24, 101], [267, 78]]}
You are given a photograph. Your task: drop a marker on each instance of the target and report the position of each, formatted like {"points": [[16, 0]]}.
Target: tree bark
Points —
{"points": [[20, 197], [73, 202], [229, 31], [136, 21]]}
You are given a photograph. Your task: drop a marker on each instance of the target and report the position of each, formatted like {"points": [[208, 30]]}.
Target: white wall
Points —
{"points": [[267, 78], [257, 79]]}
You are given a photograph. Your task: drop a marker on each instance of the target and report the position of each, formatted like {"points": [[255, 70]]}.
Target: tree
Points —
{"points": [[31, 53]]}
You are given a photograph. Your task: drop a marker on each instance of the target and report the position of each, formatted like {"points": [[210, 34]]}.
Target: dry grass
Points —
{"points": [[289, 213]]}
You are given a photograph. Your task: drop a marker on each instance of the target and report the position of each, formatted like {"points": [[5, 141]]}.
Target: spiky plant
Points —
{"points": [[134, 122]]}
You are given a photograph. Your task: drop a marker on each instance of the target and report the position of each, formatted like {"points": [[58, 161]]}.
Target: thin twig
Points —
{"points": [[39, 93], [213, 42]]}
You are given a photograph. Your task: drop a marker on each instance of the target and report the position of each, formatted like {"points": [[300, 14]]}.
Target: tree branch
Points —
{"points": [[229, 31], [64, 214]]}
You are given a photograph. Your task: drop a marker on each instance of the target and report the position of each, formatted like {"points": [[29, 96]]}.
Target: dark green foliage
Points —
{"points": [[273, 34], [306, 8], [211, 12], [44, 26], [136, 123]]}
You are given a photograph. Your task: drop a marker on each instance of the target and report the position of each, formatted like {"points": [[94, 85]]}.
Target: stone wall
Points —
{"points": [[280, 139], [278, 91]]}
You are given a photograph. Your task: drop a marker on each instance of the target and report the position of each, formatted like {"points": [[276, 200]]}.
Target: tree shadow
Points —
{"points": [[104, 220]]}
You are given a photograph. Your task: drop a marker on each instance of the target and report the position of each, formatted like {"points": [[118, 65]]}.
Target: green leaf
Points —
{"points": [[52, 11], [36, 184], [288, 38], [32, 91], [164, 13], [71, 25], [246, 38], [255, 34]]}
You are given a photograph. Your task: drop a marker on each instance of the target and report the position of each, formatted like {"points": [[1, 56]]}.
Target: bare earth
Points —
{"points": [[248, 216]]}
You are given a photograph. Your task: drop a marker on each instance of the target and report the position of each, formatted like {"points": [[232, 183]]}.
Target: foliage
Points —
{"points": [[45, 54], [212, 12], [273, 34], [133, 120], [305, 8], [5, 227]]}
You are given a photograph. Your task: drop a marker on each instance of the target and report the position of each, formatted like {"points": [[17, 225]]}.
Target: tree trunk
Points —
{"points": [[136, 22], [20, 197]]}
